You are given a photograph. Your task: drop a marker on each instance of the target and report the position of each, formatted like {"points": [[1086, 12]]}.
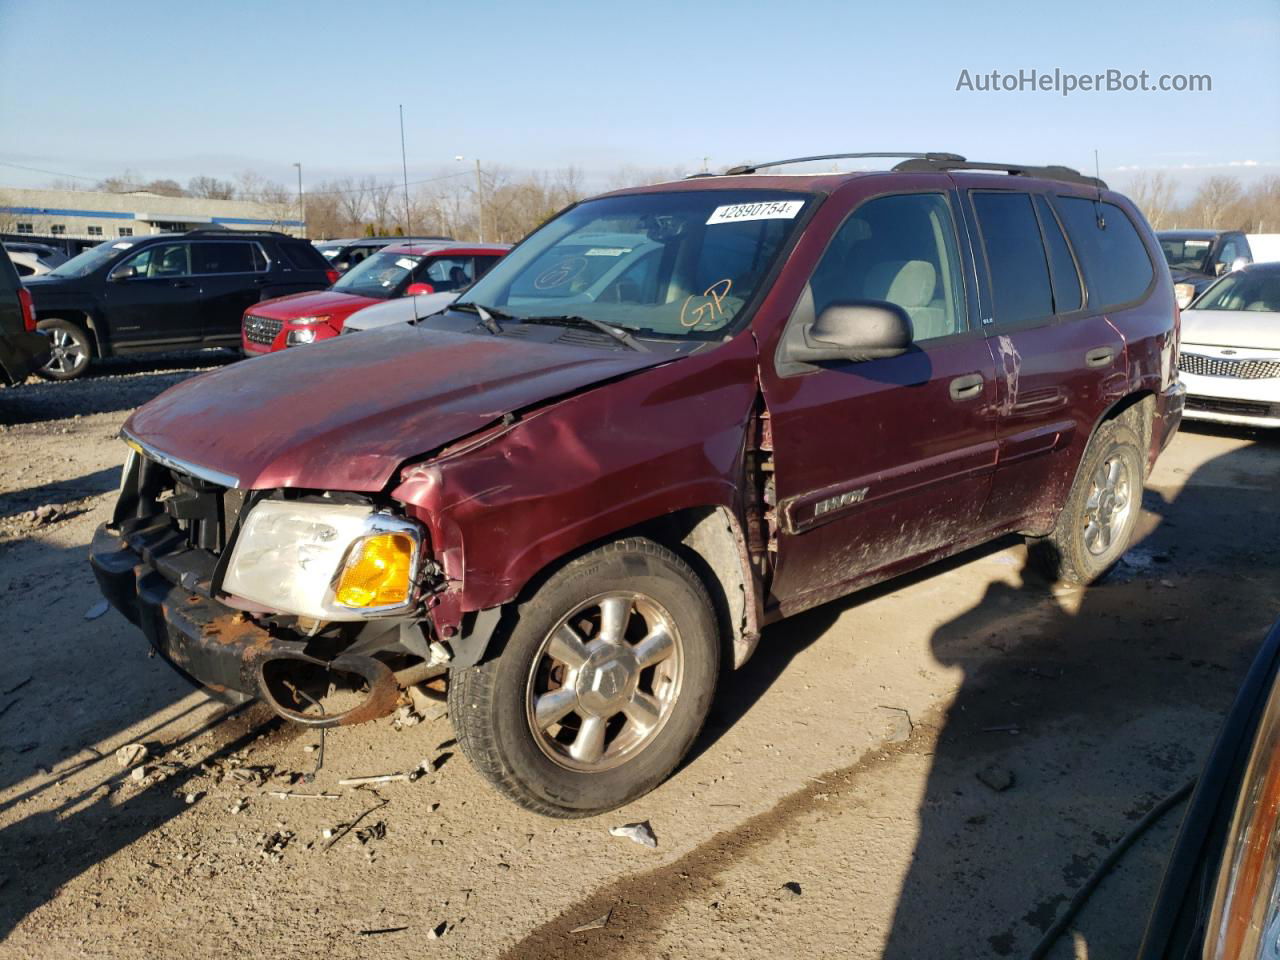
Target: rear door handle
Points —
{"points": [[1100, 357], [967, 387]]}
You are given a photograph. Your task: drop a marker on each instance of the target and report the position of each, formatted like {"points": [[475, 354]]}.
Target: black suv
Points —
{"points": [[22, 349], [1196, 258], [166, 292]]}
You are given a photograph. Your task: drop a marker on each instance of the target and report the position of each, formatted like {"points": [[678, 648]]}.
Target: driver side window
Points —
{"points": [[162, 260], [900, 250]]}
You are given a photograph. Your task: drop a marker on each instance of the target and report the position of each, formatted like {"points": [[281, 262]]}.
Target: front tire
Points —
{"points": [[601, 686], [1096, 524], [70, 350]]}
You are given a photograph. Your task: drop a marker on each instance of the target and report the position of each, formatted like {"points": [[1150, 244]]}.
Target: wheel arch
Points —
{"points": [[709, 538], [82, 318]]}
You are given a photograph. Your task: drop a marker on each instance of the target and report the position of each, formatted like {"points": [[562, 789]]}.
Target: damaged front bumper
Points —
{"points": [[164, 590]]}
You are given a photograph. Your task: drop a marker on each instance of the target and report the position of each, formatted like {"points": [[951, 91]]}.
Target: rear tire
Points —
{"points": [[1097, 522], [601, 686], [70, 350]]}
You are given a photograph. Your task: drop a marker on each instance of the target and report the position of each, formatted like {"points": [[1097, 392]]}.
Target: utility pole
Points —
{"points": [[404, 167], [480, 197], [302, 210]]}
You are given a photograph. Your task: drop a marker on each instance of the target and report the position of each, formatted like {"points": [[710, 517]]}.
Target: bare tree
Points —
{"points": [[1153, 193], [211, 188], [1217, 204]]}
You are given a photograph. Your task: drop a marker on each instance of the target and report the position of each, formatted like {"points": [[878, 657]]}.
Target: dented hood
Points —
{"points": [[344, 414]]}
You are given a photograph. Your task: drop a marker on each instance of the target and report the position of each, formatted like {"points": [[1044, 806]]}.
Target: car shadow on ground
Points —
{"points": [[112, 385], [60, 491], [69, 690], [782, 642], [1077, 713]]}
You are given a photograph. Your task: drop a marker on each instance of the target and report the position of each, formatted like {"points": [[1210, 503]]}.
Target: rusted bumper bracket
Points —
{"points": [[209, 643]]}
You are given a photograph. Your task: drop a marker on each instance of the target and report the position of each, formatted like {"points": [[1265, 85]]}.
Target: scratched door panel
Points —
{"points": [[876, 463]]}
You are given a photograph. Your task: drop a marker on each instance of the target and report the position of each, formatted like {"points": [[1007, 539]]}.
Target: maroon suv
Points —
{"points": [[671, 416]]}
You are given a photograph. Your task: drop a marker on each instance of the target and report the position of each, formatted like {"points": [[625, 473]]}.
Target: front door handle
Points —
{"points": [[180, 284], [1100, 357], [967, 387]]}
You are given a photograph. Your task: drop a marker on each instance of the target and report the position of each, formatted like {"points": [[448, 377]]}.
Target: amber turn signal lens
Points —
{"points": [[378, 572]]}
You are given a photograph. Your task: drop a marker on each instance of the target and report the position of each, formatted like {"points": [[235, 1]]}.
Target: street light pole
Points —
{"points": [[479, 197], [302, 210], [404, 168]]}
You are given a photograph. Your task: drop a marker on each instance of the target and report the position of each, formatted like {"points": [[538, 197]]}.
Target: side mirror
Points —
{"points": [[418, 289], [1239, 263], [123, 273], [870, 330]]}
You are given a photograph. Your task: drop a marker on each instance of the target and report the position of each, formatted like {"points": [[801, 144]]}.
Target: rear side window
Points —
{"points": [[900, 250], [1015, 257], [303, 256], [1116, 266], [1067, 295], [222, 258]]}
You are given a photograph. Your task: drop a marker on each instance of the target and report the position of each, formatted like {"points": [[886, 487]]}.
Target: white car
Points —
{"points": [[397, 310], [1230, 353], [28, 264]]}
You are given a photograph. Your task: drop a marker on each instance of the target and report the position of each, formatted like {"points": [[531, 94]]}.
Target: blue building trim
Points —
{"points": [[55, 212], [116, 215], [248, 221]]}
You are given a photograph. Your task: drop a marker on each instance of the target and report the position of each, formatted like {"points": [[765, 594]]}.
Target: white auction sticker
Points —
{"points": [[769, 210], [404, 263], [607, 251]]}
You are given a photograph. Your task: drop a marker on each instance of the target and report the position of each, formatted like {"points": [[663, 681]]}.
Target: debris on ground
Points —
{"points": [[375, 831], [440, 761], [382, 778], [996, 777], [45, 514], [139, 774], [427, 707], [131, 754], [238, 806], [791, 887], [405, 717], [903, 728], [289, 794], [272, 847], [438, 931], [640, 833], [97, 610], [193, 796], [381, 930], [599, 923]]}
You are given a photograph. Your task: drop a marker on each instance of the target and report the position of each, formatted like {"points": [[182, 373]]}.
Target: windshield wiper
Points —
{"points": [[618, 333], [486, 315]]}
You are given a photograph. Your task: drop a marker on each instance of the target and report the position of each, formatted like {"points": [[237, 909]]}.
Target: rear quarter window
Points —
{"points": [[1116, 266], [1015, 257], [303, 256]]}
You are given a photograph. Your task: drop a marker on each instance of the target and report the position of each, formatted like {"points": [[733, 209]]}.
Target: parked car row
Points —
{"points": [[416, 267], [672, 415]]}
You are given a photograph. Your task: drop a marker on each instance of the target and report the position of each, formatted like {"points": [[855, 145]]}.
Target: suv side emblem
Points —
{"points": [[842, 500]]}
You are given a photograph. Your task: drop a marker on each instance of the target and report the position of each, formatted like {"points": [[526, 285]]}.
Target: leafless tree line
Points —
{"points": [[496, 205], [1220, 203]]}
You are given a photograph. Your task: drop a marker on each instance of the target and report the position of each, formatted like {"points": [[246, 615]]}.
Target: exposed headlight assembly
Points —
{"points": [[325, 561], [1245, 919]]}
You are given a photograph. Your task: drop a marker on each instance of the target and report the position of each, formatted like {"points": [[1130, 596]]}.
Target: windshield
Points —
{"points": [[1254, 290], [85, 263], [1186, 254], [380, 275], [680, 264]]}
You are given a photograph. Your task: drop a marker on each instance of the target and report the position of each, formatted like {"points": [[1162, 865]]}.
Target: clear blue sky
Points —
{"points": [[175, 89]]}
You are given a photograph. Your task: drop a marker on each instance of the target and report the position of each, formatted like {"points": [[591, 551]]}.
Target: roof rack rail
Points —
{"points": [[753, 167], [228, 231], [1051, 172]]}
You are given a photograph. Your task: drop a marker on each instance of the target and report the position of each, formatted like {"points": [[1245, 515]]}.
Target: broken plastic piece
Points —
{"points": [[640, 832]]}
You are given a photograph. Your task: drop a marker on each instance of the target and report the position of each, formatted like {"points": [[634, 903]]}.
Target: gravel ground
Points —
{"points": [[929, 769]]}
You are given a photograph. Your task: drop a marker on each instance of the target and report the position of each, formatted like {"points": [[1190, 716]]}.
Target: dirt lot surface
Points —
{"points": [[929, 769]]}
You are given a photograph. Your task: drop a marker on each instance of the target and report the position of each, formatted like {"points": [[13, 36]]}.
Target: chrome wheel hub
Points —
{"points": [[1109, 505], [604, 682], [65, 354]]}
